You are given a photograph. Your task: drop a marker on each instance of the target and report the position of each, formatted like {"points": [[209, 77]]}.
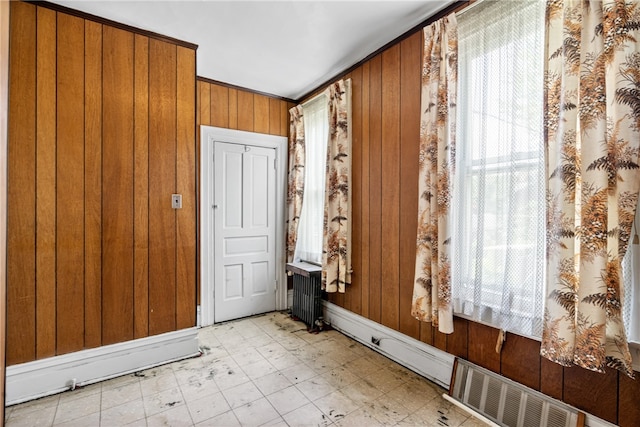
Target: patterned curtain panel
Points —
{"points": [[336, 254], [593, 138], [295, 189], [432, 286]]}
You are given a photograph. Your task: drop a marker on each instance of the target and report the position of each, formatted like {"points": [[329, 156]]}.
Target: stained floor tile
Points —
{"points": [[261, 371]]}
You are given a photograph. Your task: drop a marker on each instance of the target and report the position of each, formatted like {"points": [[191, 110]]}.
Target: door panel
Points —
{"points": [[245, 201]]}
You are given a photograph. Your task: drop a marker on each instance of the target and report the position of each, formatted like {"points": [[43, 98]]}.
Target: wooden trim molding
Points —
{"points": [[105, 21], [244, 89], [454, 7]]}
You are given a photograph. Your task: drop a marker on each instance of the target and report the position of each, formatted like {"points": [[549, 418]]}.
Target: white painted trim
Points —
{"points": [[44, 377], [469, 410], [593, 421], [421, 358], [208, 136]]}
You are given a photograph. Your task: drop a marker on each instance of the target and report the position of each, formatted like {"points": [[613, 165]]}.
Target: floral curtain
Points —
{"points": [[295, 188], [432, 285], [336, 254], [592, 128]]}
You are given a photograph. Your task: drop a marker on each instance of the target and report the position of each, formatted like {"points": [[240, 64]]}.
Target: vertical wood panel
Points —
{"points": [[592, 392], [141, 189], [205, 104], [457, 341], [219, 106], [439, 339], [21, 292], [521, 360], [93, 184], [375, 189], [261, 114], [410, 70], [70, 185], [46, 184], [366, 191], [162, 181], [274, 116], [391, 185], [5, 10], [245, 110], [233, 109], [629, 396], [118, 155], [354, 296], [551, 378], [482, 346], [186, 185], [284, 118]]}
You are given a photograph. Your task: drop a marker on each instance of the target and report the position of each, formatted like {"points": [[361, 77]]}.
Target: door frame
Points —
{"points": [[209, 135]]}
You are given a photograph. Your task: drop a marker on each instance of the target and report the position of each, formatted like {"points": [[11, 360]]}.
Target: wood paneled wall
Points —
{"points": [[101, 133], [4, 114], [386, 123], [233, 108]]}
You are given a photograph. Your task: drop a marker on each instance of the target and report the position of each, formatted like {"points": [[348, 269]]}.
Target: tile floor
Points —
{"points": [[264, 370]]}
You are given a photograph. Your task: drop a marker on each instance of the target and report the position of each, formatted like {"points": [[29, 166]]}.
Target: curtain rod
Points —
{"points": [[315, 97], [469, 7]]}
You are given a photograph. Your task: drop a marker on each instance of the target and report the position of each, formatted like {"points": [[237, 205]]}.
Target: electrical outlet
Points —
{"points": [[176, 201], [375, 340]]}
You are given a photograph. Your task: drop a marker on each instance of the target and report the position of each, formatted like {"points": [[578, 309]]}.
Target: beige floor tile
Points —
{"points": [[439, 410], [287, 400], [299, 373], [256, 413], [119, 381], [86, 421], [77, 408], [163, 401], [35, 405], [35, 418], [271, 383], [272, 350], [123, 414], [228, 419], [307, 416], [336, 405], [227, 374], [362, 392], [174, 417], [388, 413], [199, 388], [158, 381], [316, 388], [284, 361], [118, 395], [242, 394], [81, 392], [359, 417], [414, 394], [340, 377], [258, 369], [208, 407]]}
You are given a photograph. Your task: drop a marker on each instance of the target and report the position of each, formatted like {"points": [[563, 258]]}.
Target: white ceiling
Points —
{"points": [[285, 48]]}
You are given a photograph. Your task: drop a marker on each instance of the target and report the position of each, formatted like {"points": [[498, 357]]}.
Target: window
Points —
{"points": [[310, 227], [631, 278], [499, 195]]}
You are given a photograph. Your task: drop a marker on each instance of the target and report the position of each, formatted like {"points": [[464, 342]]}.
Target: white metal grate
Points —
{"points": [[507, 402]]}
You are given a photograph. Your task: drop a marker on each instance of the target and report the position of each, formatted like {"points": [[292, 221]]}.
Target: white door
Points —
{"points": [[244, 212]]}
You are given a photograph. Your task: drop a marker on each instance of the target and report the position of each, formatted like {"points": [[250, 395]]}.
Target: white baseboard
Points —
{"points": [[421, 358], [44, 377]]}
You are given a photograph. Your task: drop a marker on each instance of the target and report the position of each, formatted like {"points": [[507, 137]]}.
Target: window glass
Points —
{"points": [[499, 194]]}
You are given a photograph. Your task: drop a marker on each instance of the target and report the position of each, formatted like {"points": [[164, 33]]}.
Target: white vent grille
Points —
{"points": [[508, 403]]}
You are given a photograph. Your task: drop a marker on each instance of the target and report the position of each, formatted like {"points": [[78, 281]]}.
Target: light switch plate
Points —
{"points": [[176, 201]]}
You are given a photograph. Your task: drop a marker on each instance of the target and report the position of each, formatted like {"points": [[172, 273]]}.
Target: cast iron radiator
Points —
{"points": [[307, 295]]}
